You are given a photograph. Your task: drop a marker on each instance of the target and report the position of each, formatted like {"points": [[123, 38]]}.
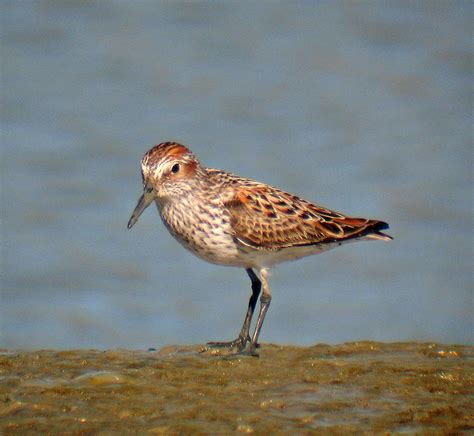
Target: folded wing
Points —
{"points": [[269, 219]]}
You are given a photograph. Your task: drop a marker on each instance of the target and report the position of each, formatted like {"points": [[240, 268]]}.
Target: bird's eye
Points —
{"points": [[175, 168]]}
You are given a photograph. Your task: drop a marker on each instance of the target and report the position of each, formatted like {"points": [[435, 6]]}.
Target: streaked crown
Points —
{"points": [[167, 165], [163, 152]]}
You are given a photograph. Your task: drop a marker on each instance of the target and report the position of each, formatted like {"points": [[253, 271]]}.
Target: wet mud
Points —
{"points": [[355, 387]]}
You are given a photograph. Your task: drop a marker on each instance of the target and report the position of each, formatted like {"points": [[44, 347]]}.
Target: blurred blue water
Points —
{"points": [[364, 107]]}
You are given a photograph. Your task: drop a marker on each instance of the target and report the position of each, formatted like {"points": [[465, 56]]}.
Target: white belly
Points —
{"points": [[266, 259]]}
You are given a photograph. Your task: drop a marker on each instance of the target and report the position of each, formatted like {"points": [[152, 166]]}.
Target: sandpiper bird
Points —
{"points": [[230, 220]]}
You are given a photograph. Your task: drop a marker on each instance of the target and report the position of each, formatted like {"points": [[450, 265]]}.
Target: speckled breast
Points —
{"points": [[204, 229]]}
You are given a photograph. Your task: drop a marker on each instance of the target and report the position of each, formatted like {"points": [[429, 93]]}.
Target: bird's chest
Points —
{"points": [[202, 227]]}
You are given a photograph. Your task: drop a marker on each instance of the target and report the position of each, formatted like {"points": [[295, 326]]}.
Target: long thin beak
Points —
{"points": [[143, 203]]}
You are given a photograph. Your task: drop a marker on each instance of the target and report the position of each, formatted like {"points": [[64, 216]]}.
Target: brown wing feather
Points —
{"points": [[267, 218]]}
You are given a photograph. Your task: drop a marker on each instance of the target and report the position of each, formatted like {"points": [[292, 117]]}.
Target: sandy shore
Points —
{"points": [[355, 387]]}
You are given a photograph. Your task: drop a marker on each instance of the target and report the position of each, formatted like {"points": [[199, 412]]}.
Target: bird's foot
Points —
{"points": [[251, 350], [244, 347], [238, 343]]}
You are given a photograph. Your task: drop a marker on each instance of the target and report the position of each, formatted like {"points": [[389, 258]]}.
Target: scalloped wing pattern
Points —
{"points": [[267, 218]]}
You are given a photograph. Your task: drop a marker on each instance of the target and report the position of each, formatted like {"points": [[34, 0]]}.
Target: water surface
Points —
{"points": [[363, 107]]}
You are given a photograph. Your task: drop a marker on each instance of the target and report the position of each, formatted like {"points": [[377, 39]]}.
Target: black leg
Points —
{"points": [[265, 300], [244, 335], [256, 287]]}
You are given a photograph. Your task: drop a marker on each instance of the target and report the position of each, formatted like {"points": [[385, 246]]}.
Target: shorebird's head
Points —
{"points": [[168, 170]]}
